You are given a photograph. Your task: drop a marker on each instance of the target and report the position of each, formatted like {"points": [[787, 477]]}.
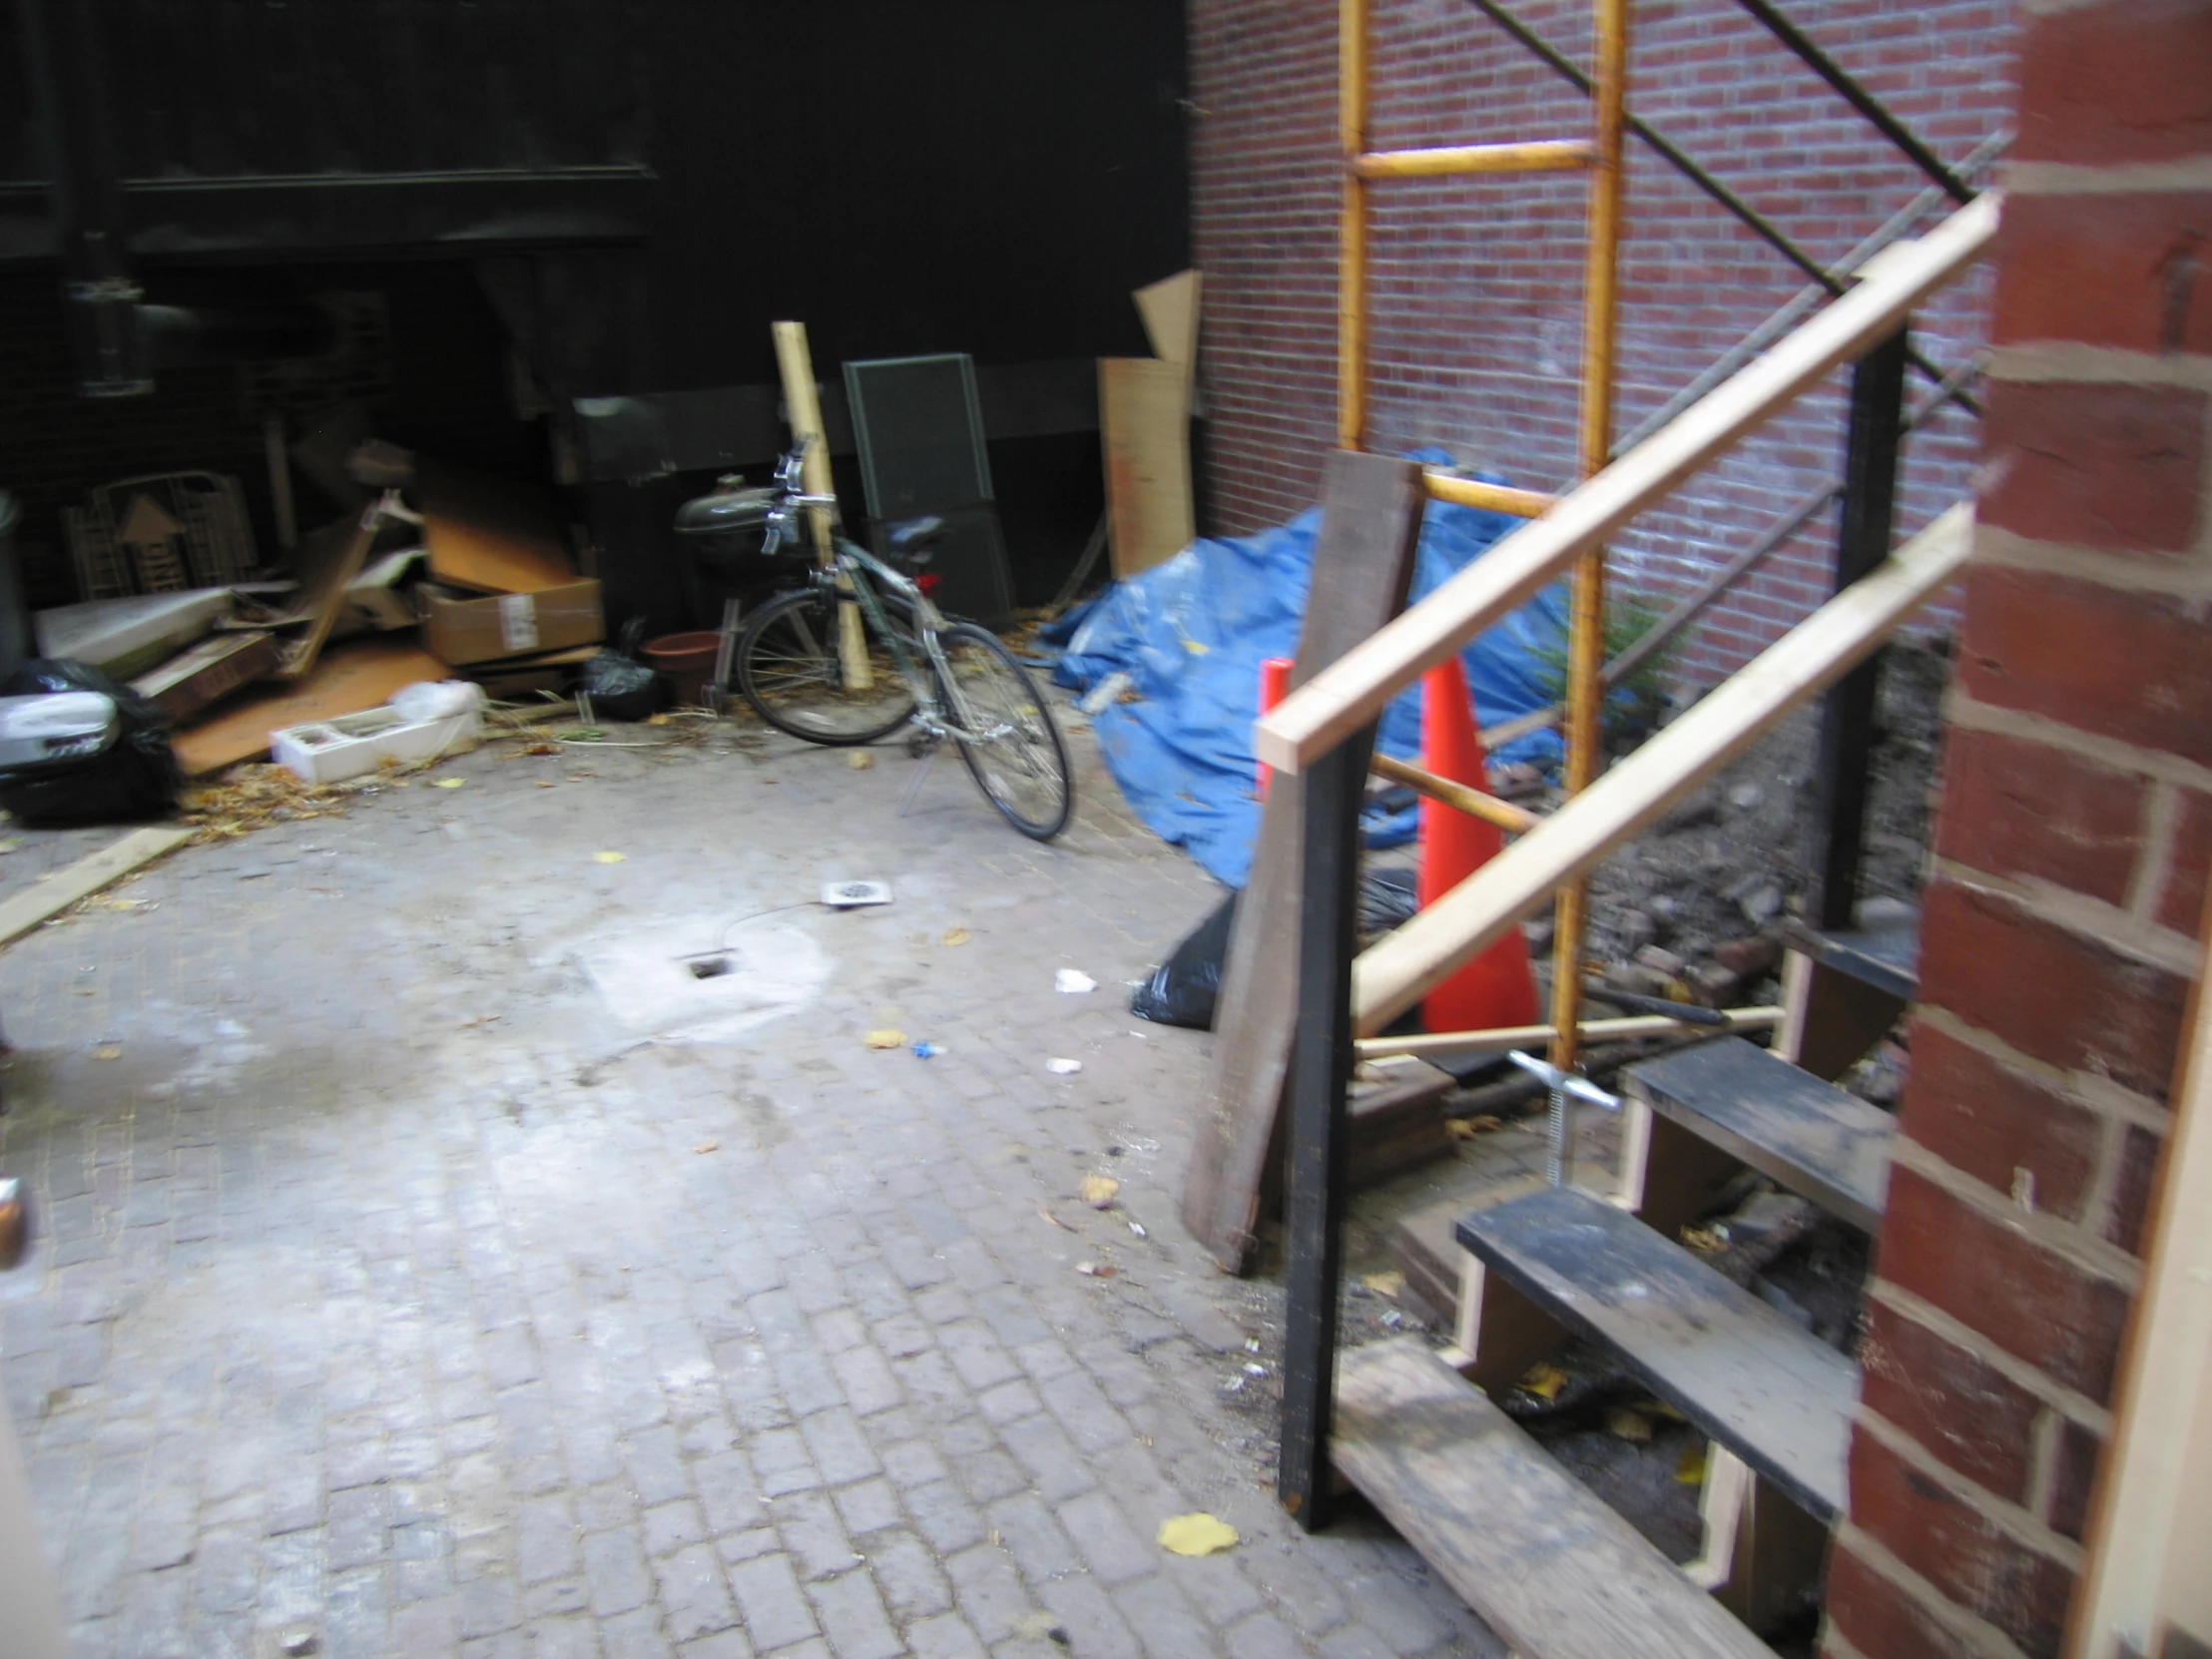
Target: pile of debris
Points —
{"points": [[429, 572]]}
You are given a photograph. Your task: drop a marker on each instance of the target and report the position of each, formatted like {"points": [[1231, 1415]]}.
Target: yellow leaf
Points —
{"points": [[886, 1038], [656, 719], [608, 858], [1625, 1423], [1385, 1284], [957, 936], [447, 782], [705, 1146], [1689, 1470], [1098, 1189], [1196, 1535], [859, 760], [1545, 1382], [107, 1051]]}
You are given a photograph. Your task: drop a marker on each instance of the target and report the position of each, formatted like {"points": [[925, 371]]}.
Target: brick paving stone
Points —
{"points": [[388, 1293]]}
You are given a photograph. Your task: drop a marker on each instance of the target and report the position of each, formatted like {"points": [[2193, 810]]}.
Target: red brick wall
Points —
{"points": [[1477, 285], [2069, 880]]}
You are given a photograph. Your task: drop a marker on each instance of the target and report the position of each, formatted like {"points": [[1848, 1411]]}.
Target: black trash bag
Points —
{"points": [[619, 686], [135, 777], [1183, 990]]}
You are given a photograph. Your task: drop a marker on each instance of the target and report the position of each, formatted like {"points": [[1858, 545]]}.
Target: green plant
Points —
{"points": [[1633, 707]]}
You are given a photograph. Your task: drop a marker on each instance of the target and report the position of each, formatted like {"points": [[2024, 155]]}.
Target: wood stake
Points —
{"points": [[796, 362]]}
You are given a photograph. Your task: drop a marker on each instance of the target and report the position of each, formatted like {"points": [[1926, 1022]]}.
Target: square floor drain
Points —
{"points": [[847, 895], [710, 967]]}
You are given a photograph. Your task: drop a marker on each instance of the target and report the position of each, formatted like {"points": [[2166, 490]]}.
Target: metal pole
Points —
{"points": [[1861, 543], [1352, 248], [1860, 99], [1587, 641], [1321, 1071]]}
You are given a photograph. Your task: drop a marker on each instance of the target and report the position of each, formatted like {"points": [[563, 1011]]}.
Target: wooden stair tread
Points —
{"points": [[1809, 1136], [1775, 1394], [1554, 1571], [1884, 956]]}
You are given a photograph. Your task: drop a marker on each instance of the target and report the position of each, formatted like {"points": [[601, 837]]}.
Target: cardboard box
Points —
{"points": [[465, 630], [209, 671]]}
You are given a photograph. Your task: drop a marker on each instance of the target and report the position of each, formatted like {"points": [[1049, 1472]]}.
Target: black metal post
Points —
{"points": [[1321, 1071], [1861, 543]]}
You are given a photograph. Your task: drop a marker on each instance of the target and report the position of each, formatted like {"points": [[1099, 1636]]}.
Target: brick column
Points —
{"points": [[2069, 871]]}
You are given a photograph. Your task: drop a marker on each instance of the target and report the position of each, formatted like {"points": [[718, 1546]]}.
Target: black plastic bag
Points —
{"points": [[1183, 990], [619, 686], [136, 777]]}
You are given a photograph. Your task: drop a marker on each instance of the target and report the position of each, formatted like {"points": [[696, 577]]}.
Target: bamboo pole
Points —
{"points": [[1590, 1030], [796, 363], [1351, 248], [1498, 498], [1517, 820], [1539, 156], [1586, 642]]}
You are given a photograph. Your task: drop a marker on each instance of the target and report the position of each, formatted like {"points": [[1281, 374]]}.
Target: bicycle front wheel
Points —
{"points": [[1006, 733], [790, 670]]}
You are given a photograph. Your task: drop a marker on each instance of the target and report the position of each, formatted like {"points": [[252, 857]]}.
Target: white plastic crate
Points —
{"points": [[330, 751]]}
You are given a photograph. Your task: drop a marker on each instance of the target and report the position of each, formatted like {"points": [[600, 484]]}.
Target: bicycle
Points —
{"points": [[797, 664]]}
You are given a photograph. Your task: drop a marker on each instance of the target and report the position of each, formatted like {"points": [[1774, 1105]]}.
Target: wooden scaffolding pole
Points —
{"points": [[1586, 643], [796, 363]]}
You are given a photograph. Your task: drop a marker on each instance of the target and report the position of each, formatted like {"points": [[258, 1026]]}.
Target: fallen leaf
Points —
{"points": [[1055, 1220], [1689, 1470], [107, 1051], [886, 1038], [656, 719], [1625, 1423], [1098, 1189], [542, 749], [1545, 1382], [1385, 1284], [609, 858], [447, 782], [1468, 1129], [1197, 1534], [706, 1146], [547, 784], [1097, 1270], [859, 760], [957, 936]]}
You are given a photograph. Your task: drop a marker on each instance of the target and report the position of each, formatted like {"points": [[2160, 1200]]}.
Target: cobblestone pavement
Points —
{"points": [[424, 1273]]}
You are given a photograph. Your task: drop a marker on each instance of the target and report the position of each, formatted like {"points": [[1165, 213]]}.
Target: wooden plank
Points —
{"points": [[1144, 418], [1453, 161], [24, 911], [1529, 1036], [1399, 970], [1170, 308], [489, 535], [355, 674], [1355, 691], [1398, 1125], [1829, 1018], [1362, 565], [1885, 956], [209, 671], [327, 560], [1539, 1556], [1807, 1135], [1776, 1395]]}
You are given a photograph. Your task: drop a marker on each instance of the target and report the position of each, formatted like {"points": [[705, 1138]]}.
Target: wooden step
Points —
{"points": [[1884, 953], [1772, 1393], [1554, 1571], [1807, 1135]]}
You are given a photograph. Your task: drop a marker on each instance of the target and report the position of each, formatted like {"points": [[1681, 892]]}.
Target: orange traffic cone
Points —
{"points": [[1495, 988]]}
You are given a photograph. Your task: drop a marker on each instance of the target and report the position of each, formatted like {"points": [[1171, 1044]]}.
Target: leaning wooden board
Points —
{"points": [[26, 909], [1362, 565], [1144, 412], [357, 675]]}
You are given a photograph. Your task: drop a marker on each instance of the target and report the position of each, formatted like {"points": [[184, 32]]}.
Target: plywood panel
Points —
{"points": [[361, 674], [1144, 415]]}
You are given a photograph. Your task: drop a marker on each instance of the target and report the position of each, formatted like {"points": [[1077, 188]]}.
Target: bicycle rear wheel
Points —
{"points": [[1011, 744], [789, 670]]}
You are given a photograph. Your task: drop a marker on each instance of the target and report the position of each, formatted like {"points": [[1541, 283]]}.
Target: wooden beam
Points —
{"points": [[1528, 1036], [1316, 717], [1542, 156], [1403, 968], [1516, 821], [1498, 498], [48, 899]]}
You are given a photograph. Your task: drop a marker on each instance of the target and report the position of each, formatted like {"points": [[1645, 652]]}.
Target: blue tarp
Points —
{"points": [[1191, 634]]}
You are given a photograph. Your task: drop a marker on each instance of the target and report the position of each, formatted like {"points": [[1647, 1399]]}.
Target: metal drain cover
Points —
{"points": [[847, 895]]}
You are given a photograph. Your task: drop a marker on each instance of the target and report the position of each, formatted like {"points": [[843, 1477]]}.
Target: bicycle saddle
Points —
{"points": [[911, 538]]}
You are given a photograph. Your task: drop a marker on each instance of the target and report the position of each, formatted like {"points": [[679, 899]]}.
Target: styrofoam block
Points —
{"points": [[331, 751]]}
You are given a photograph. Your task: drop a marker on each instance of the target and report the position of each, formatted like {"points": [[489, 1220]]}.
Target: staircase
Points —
{"points": [[1556, 1572]]}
